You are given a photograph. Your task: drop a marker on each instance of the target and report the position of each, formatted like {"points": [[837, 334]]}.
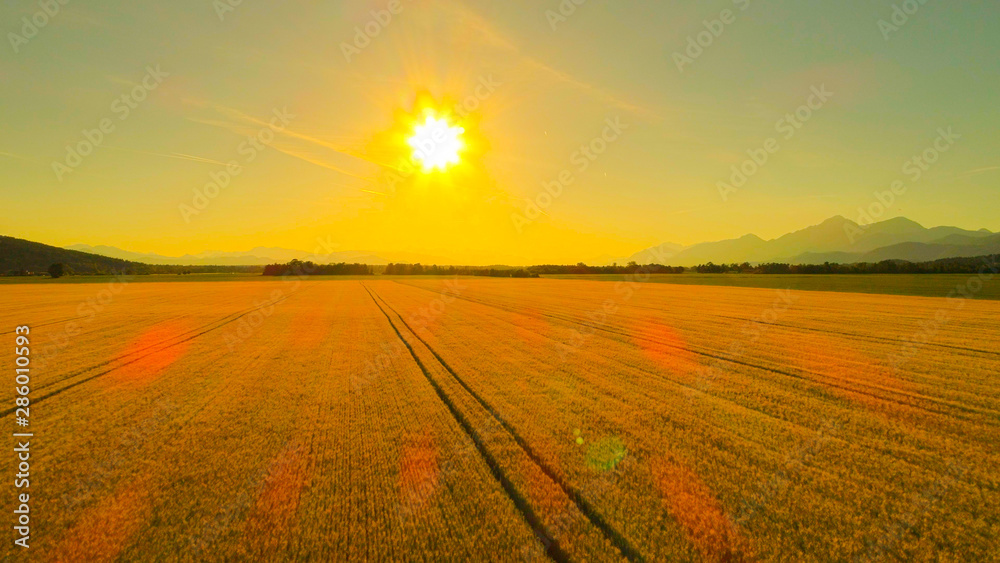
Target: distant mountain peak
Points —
{"points": [[836, 220], [827, 239], [901, 221]]}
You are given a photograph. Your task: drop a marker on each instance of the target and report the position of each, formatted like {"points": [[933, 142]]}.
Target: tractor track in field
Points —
{"points": [[692, 388], [851, 335], [132, 353], [864, 389], [675, 383], [176, 340], [50, 323], [180, 337], [864, 336], [627, 551], [553, 550]]}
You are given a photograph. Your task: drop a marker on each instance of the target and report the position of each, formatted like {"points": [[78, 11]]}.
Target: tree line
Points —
{"points": [[60, 269], [943, 266], [630, 268], [418, 269], [308, 268], [299, 268]]}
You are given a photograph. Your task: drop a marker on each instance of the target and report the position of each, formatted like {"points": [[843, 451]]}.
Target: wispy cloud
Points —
{"points": [[978, 171], [176, 155], [245, 124], [313, 159], [19, 157], [495, 38]]}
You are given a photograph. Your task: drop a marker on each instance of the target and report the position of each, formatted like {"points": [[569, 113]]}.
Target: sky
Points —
{"points": [[591, 130]]}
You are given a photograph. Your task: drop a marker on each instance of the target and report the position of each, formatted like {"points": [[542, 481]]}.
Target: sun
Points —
{"points": [[436, 143]]}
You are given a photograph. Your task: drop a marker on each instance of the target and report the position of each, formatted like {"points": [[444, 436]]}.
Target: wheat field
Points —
{"points": [[491, 419]]}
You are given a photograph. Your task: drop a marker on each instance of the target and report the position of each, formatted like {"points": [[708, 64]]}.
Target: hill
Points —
{"points": [[20, 256], [258, 256]]}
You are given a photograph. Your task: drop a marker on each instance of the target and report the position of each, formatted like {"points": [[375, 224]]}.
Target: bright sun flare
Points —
{"points": [[436, 144]]}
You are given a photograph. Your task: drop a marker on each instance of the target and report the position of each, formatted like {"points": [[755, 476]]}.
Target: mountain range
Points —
{"points": [[258, 256], [836, 240]]}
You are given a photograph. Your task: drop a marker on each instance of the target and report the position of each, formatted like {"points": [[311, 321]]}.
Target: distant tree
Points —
{"points": [[56, 270]]}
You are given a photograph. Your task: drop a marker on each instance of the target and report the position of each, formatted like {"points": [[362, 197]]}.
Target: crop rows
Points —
{"points": [[509, 420]]}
